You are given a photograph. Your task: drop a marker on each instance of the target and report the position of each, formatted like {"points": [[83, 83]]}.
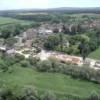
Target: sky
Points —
{"points": [[27, 4]]}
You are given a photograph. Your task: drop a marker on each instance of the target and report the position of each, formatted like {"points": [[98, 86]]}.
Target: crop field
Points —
{"points": [[41, 13], [7, 20], [57, 83]]}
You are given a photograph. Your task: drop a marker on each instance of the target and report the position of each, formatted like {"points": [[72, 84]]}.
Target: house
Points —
{"points": [[2, 49], [19, 43], [29, 34], [11, 51], [44, 31], [97, 64], [67, 58], [28, 43]]}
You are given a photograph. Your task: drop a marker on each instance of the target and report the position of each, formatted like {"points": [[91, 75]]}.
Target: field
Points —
{"points": [[95, 54], [7, 20], [42, 13], [57, 83]]}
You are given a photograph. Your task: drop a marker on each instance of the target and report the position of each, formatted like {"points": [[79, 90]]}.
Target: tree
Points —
{"points": [[65, 29], [6, 33], [10, 42], [61, 41], [84, 50], [79, 28], [51, 42], [55, 30]]}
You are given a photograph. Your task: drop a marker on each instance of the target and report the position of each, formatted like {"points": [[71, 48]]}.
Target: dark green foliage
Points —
{"points": [[12, 30], [94, 96], [48, 96], [33, 60], [44, 66], [84, 73], [19, 57], [29, 94], [51, 42], [35, 17], [10, 42], [25, 63]]}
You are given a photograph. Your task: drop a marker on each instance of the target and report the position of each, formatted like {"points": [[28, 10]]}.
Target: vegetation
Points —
{"points": [[95, 54], [8, 20], [33, 79], [17, 73], [59, 84]]}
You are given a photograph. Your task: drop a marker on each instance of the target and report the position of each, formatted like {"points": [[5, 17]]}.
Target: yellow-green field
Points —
{"points": [[7, 20]]}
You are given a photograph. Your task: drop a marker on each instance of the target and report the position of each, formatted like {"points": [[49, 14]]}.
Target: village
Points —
{"points": [[50, 50], [25, 46]]}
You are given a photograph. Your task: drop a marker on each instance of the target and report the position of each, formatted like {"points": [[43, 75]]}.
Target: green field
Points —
{"points": [[95, 54], [7, 20], [57, 83]]}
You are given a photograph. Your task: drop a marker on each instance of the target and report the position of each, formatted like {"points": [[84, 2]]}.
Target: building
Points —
{"points": [[97, 64], [44, 31], [11, 51]]}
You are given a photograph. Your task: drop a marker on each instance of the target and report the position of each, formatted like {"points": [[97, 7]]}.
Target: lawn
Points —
{"points": [[7, 20], [57, 83], [95, 54]]}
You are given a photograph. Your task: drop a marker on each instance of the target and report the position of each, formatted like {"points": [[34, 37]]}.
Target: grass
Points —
{"points": [[57, 83], [7, 20], [95, 54]]}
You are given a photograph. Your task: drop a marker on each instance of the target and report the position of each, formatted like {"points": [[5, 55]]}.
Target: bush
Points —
{"points": [[44, 66], [48, 96], [25, 63], [29, 94], [5, 94], [33, 60], [94, 96], [19, 57]]}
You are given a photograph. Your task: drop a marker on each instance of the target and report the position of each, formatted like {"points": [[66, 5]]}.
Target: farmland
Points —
{"points": [[7, 20]]}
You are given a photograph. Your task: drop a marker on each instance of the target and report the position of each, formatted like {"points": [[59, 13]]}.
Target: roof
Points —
{"points": [[3, 48]]}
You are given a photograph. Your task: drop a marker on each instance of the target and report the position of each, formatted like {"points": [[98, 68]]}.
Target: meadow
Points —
{"points": [[59, 84], [95, 54]]}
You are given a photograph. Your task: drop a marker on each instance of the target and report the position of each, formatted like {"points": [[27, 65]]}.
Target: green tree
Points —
{"points": [[10, 42], [51, 42]]}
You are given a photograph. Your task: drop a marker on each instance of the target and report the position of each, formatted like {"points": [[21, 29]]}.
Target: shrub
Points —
{"points": [[33, 60], [19, 57], [94, 96], [44, 66], [25, 63], [29, 94], [48, 96]]}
